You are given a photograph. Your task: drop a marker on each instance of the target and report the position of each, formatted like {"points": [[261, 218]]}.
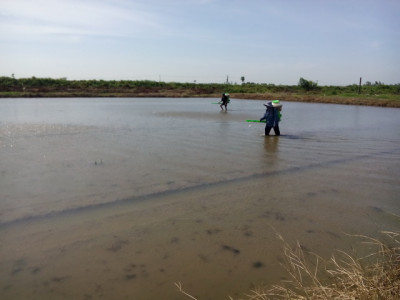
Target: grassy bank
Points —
{"points": [[370, 94]]}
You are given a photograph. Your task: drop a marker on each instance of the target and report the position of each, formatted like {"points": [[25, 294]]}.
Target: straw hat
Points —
{"points": [[276, 103]]}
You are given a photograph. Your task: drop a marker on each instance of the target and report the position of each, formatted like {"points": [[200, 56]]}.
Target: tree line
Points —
{"points": [[11, 84]]}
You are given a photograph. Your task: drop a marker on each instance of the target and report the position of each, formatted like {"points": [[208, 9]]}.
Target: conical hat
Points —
{"points": [[276, 103]]}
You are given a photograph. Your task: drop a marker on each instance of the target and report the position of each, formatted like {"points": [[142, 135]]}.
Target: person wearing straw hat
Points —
{"points": [[272, 116]]}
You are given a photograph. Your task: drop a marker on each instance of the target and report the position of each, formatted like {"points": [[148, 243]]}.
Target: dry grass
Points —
{"points": [[376, 276], [372, 277]]}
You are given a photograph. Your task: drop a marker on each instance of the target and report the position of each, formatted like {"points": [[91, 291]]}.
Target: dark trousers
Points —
{"points": [[276, 129]]}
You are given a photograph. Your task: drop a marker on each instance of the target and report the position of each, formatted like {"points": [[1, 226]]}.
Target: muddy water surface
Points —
{"points": [[120, 198]]}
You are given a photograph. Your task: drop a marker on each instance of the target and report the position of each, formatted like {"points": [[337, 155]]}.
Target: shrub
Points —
{"points": [[307, 85]]}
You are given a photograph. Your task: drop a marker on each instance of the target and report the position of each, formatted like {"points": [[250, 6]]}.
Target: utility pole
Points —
{"points": [[359, 86]]}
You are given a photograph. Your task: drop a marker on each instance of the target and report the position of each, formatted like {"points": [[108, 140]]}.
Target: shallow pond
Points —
{"points": [[121, 198]]}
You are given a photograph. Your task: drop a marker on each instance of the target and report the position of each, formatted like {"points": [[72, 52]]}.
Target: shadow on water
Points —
{"points": [[294, 137]]}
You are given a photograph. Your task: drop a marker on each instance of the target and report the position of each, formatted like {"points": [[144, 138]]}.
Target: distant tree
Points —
{"points": [[307, 85], [242, 79]]}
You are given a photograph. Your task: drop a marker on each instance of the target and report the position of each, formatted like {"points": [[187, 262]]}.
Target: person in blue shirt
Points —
{"points": [[272, 116]]}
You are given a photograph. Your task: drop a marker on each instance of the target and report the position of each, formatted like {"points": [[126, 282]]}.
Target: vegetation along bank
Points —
{"points": [[372, 94]]}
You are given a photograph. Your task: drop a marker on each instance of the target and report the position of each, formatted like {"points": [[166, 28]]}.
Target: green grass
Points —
{"points": [[384, 95]]}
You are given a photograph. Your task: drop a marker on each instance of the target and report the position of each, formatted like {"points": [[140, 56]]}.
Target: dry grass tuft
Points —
{"points": [[376, 276], [372, 277]]}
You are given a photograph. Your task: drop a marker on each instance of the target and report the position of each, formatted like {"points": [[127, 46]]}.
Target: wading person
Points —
{"points": [[272, 116], [224, 101]]}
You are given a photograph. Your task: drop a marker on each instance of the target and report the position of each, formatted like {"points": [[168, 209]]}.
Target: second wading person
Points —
{"points": [[224, 101]]}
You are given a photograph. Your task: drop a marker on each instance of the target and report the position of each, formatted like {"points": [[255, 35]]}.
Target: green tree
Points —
{"points": [[307, 85]]}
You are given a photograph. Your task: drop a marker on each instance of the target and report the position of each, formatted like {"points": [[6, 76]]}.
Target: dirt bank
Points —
{"points": [[322, 99], [200, 93]]}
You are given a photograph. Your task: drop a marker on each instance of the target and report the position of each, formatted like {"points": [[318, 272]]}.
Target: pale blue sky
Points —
{"points": [[333, 42]]}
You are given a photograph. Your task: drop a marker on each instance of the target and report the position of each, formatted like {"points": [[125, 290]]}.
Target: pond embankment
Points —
{"points": [[374, 100]]}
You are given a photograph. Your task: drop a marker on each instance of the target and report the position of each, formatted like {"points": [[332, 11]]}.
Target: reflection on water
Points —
{"points": [[271, 145], [120, 198]]}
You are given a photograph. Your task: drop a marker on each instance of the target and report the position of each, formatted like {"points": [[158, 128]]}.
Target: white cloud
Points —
{"points": [[25, 18]]}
